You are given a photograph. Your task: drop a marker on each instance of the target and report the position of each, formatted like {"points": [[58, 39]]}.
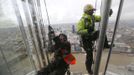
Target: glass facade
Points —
{"points": [[14, 57], [23, 35]]}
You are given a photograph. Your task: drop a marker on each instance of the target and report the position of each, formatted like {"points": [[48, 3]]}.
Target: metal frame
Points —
{"points": [[113, 37], [18, 14], [104, 22]]}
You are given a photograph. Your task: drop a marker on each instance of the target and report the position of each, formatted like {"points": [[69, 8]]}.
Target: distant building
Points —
{"points": [[122, 47], [73, 29]]}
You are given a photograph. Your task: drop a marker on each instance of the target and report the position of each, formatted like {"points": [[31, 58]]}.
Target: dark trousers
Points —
{"points": [[57, 67], [88, 47], [95, 36], [89, 61]]}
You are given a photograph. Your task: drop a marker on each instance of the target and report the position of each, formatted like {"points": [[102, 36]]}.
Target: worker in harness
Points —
{"points": [[86, 29], [62, 57]]}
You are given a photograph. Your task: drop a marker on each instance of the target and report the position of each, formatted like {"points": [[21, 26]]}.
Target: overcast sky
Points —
{"points": [[69, 11], [72, 10]]}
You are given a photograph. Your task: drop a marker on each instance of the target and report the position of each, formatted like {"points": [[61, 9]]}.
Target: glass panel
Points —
{"points": [[11, 42], [122, 56], [4, 70]]}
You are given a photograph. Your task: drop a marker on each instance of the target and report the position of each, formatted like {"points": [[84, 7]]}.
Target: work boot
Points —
{"points": [[108, 46], [90, 72]]}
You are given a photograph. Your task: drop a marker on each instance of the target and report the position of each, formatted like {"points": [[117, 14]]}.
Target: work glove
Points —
{"points": [[110, 12]]}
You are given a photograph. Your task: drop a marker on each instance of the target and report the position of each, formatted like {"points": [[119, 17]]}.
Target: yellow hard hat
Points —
{"points": [[88, 7]]}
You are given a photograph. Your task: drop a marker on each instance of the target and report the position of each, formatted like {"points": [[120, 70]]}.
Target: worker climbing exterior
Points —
{"points": [[62, 57], [86, 29]]}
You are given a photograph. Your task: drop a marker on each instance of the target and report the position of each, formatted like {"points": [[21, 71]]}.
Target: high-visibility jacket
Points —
{"points": [[85, 22]]}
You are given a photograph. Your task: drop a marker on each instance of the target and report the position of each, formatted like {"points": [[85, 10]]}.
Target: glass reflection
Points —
{"points": [[11, 43]]}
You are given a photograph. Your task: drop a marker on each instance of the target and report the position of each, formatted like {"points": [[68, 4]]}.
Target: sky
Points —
{"points": [[68, 11], [72, 10]]}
